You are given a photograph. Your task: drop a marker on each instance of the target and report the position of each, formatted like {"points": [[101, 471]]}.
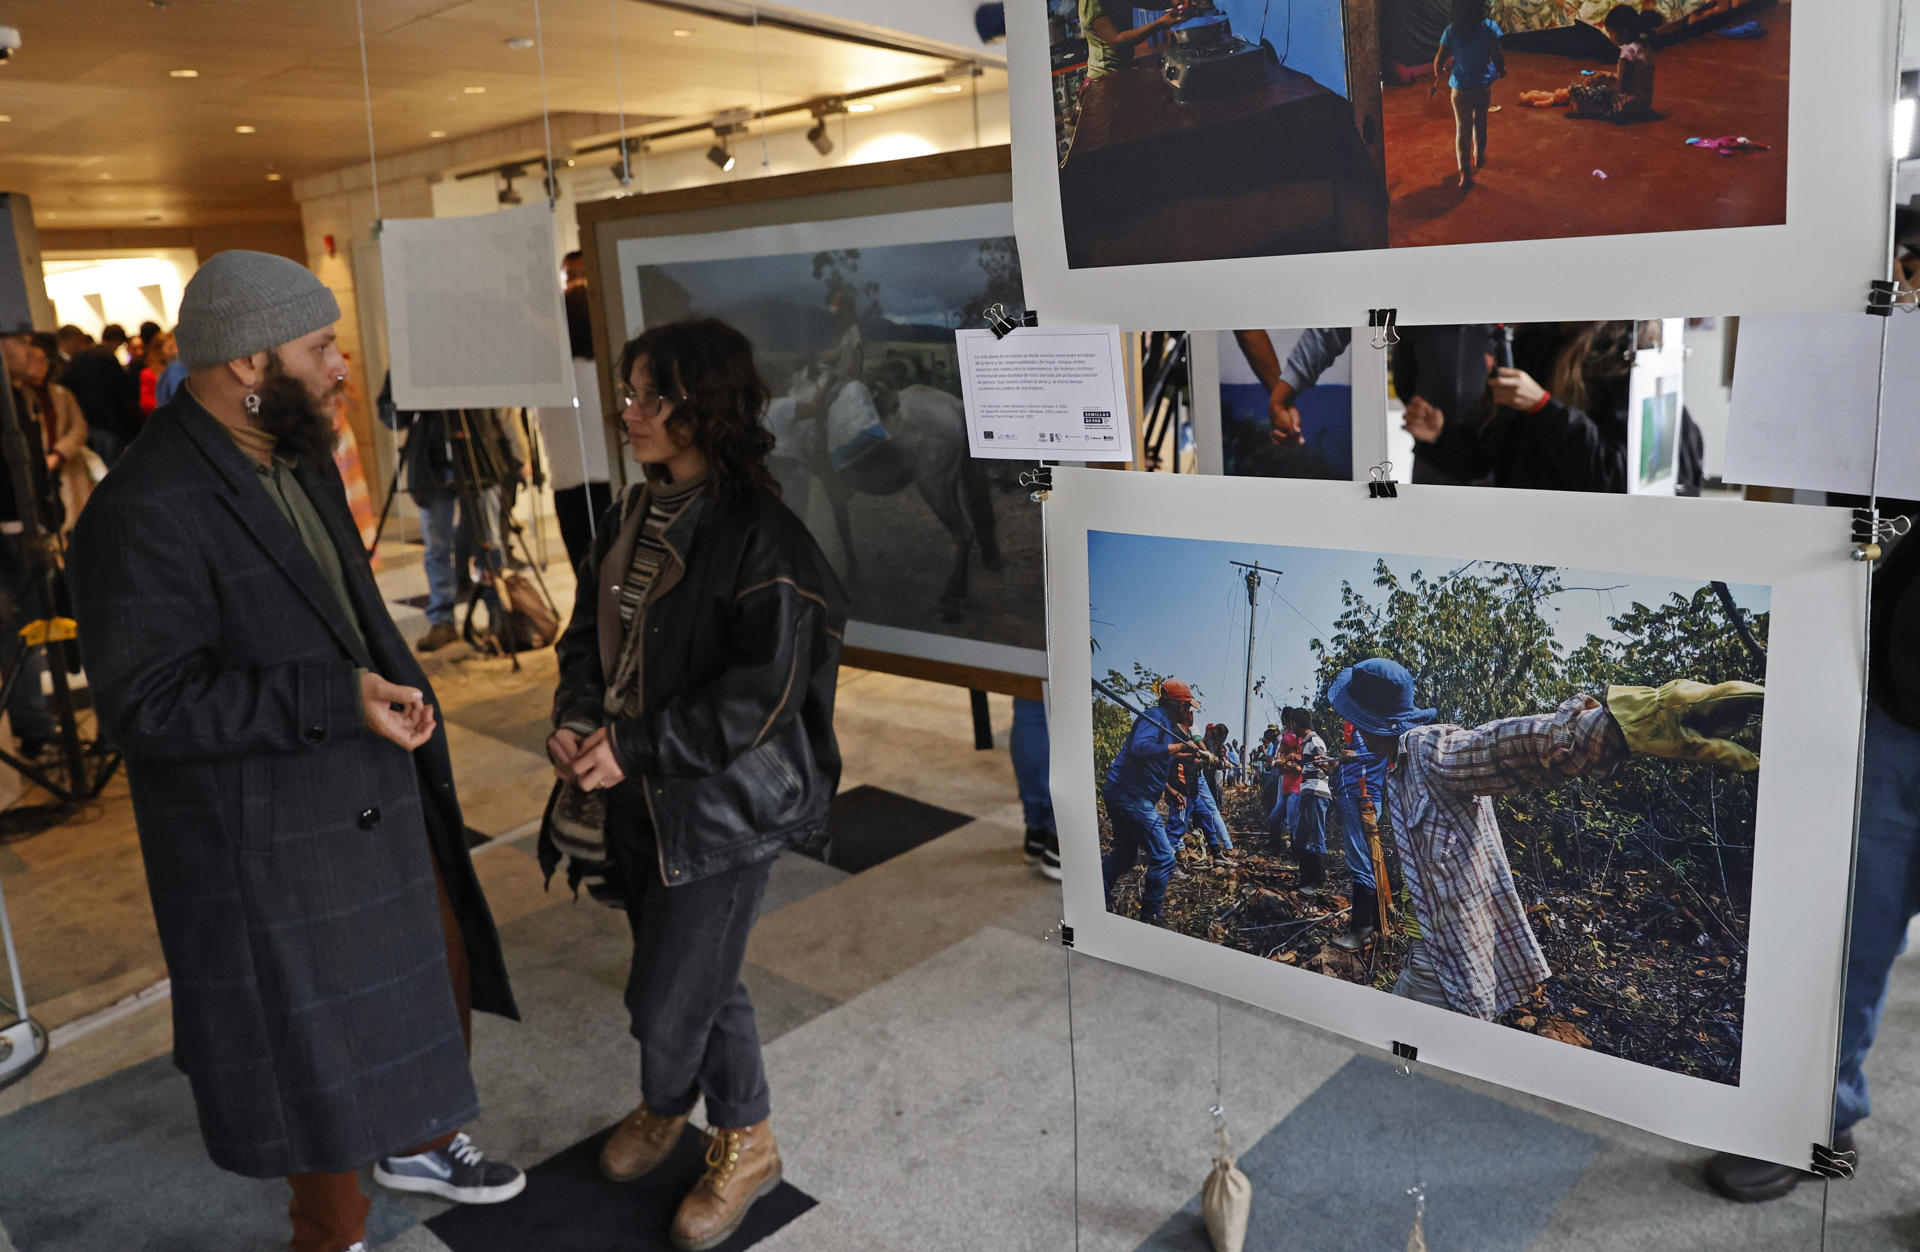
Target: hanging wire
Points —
{"points": [[546, 116], [619, 100], [1073, 1078], [760, 85], [395, 487], [1873, 506]]}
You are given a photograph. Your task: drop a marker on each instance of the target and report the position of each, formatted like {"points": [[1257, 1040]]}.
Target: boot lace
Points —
{"points": [[723, 1156]]}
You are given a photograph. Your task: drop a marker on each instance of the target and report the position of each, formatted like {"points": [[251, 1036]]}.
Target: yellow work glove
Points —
{"points": [[1683, 720]]}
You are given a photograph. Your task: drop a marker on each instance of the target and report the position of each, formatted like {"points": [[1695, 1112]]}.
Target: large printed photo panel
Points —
{"points": [[1530, 803], [1349, 154]]}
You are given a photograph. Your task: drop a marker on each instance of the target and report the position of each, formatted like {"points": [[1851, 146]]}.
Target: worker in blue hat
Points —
{"points": [[1476, 953], [1140, 773]]}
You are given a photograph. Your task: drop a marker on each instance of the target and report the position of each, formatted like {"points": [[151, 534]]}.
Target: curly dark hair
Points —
{"points": [[1467, 12], [706, 368]]}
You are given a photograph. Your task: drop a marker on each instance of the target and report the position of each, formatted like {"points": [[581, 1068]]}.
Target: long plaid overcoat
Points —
{"points": [[289, 851]]}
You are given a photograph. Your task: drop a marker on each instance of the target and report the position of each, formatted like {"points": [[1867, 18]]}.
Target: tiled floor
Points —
{"points": [[917, 1046]]}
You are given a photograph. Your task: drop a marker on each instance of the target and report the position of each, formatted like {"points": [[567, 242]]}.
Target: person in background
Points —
{"points": [[137, 348], [73, 341], [1111, 47], [154, 361], [576, 435], [1311, 802], [26, 707], [1886, 874], [170, 378], [1625, 95], [99, 382], [1471, 45], [1359, 770], [63, 433], [1284, 818], [325, 934], [1135, 782], [687, 795], [1028, 744]]}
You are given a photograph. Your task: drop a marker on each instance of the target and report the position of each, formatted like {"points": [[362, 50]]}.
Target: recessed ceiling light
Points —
{"points": [[103, 177], [862, 107], [183, 73], [436, 134], [569, 162], [948, 89], [520, 43], [475, 91], [243, 130], [273, 178], [682, 32], [5, 117]]}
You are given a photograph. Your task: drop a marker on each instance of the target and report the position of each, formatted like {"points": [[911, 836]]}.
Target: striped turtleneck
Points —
{"points": [[665, 503]]}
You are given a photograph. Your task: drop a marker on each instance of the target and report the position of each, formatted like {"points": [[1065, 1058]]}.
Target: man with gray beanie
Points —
{"points": [[325, 933]]}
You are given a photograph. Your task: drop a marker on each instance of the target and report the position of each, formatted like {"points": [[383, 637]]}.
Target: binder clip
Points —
{"points": [[1407, 1055], [1003, 325], [1385, 331], [1380, 484], [1871, 532], [1885, 295], [1066, 935], [1040, 480], [1828, 1163]]}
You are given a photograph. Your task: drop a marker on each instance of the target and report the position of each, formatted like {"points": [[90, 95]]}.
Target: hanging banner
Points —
{"points": [[1530, 799]]}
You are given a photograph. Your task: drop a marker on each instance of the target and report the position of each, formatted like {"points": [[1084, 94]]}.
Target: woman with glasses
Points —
{"points": [[693, 743]]}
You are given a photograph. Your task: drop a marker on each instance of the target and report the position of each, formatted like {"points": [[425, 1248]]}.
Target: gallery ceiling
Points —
{"points": [[99, 124]]}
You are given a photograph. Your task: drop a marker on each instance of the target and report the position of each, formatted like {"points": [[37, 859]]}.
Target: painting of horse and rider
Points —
{"points": [[857, 348]]}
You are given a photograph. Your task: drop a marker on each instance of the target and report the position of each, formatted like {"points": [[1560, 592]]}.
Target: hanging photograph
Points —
{"points": [[1293, 130], [853, 320], [1403, 753], [1286, 403]]}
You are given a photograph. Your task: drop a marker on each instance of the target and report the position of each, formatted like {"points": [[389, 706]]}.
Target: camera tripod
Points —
{"points": [[478, 468], [86, 766]]}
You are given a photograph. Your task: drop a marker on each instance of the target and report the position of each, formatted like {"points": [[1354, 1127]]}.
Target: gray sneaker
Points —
{"points": [[459, 1172]]}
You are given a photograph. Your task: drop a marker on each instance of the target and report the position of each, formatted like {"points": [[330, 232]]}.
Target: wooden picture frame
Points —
{"points": [[975, 178]]}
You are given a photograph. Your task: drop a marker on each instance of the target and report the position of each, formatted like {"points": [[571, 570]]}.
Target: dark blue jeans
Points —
{"points": [[1359, 856], [1027, 744], [1139, 834], [1886, 896], [689, 1009]]}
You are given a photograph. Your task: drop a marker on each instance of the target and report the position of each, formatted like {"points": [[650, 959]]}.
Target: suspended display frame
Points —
{"points": [[1258, 160], [1596, 579], [851, 282]]}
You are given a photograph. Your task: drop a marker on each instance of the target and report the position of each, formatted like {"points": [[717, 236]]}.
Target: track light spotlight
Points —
{"points": [[818, 137], [719, 155]]}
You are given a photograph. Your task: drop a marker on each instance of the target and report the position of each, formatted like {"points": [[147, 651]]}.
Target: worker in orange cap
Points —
{"points": [[1139, 773]]}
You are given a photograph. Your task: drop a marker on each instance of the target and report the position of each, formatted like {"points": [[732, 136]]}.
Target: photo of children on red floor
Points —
{"points": [[1248, 128]]}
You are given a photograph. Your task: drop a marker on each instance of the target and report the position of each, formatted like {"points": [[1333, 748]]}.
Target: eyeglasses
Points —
{"points": [[647, 401]]}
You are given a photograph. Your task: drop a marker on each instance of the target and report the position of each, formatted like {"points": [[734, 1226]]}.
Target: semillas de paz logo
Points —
{"points": [[1096, 417]]}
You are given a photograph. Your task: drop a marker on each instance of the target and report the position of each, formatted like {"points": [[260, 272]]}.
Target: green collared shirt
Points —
{"points": [[291, 499]]}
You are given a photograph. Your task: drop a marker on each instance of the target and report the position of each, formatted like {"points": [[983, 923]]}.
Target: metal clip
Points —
{"points": [[1066, 935], [1002, 325], [1828, 1163], [1386, 333], [1408, 1054], [1380, 485], [1885, 296], [1871, 532], [1040, 479]]}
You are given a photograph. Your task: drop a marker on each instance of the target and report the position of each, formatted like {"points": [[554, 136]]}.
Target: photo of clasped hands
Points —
{"points": [[586, 761], [1511, 389]]}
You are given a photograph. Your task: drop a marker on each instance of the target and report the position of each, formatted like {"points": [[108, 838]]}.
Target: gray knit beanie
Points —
{"points": [[240, 303]]}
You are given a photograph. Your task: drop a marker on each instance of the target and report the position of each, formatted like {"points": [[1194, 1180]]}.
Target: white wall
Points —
{"points": [[1707, 401], [128, 288]]}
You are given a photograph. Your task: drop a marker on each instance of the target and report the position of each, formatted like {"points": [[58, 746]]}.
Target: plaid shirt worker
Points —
{"points": [[1440, 796]]}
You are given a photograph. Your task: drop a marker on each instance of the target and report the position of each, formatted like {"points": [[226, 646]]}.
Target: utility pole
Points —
{"points": [[1254, 572]]}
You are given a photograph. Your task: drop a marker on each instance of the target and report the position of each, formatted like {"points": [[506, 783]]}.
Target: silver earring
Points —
{"points": [[252, 403]]}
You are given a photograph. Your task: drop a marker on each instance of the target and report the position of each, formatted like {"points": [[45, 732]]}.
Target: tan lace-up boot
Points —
{"points": [[643, 1139], [742, 1166]]}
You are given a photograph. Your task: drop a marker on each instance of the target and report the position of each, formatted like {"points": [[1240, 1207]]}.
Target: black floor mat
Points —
{"points": [[868, 825], [569, 1207]]}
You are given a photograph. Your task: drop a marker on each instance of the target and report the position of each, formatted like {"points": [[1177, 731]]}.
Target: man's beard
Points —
{"points": [[301, 427]]}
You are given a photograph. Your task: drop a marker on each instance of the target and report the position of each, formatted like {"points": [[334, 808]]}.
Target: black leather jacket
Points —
{"points": [[733, 758]]}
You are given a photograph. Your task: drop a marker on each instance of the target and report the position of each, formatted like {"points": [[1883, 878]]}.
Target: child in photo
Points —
{"points": [[1626, 95], [1471, 45]]}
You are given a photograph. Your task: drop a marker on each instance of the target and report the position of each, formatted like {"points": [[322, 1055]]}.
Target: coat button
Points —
{"points": [[369, 818], [316, 734]]}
